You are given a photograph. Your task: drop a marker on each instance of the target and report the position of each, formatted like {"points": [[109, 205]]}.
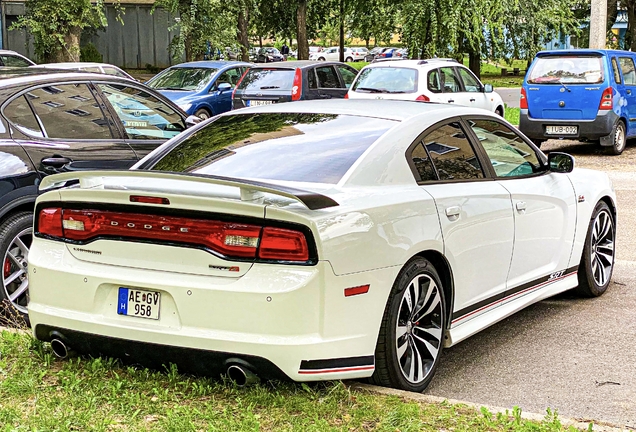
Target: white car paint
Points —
{"points": [[333, 54], [103, 68], [479, 98], [290, 314]]}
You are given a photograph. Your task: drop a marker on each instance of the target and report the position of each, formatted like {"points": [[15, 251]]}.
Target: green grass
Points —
{"points": [[41, 393], [512, 115]]}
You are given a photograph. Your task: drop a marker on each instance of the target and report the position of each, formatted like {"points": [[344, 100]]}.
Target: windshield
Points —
{"points": [[267, 79], [566, 69], [316, 148], [190, 79], [386, 80]]}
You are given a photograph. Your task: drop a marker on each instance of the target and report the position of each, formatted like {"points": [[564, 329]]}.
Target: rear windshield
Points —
{"points": [[386, 80], [566, 69], [317, 148], [268, 79]]}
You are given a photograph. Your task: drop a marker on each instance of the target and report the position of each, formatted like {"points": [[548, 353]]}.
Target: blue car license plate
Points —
{"points": [[139, 303]]}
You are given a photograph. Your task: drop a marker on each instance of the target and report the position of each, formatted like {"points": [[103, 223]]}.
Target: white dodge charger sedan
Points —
{"points": [[316, 240]]}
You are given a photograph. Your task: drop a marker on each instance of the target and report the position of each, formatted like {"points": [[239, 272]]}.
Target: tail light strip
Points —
{"points": [[229, 239]]}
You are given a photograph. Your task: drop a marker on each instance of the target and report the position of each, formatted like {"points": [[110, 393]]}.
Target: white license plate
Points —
{"points": [[562, 130], [259, 102], [139, 303]]}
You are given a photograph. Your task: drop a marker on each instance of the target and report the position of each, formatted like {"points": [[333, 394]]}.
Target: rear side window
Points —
{"points": [[452, 155], [386, 80], [567, 69], [627, 68], [267, 79], [317, 148], [13, 61], [327, 77], [617, 75], [311, 79], [19, 113], [434, 83]]}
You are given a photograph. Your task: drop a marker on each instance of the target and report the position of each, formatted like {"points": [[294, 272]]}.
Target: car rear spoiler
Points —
{"points": [[249, 189]]}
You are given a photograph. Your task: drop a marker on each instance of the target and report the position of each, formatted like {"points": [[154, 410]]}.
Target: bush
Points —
{"points": [[90, 53]]}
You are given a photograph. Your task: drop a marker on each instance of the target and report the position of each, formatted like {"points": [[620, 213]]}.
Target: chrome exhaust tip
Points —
{"points": [[241, 376], [59, 348]]}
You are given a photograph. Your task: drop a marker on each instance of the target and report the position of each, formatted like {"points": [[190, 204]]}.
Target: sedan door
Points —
{"points": [[220, 94], [475, 215], [473, 92], [544, 206], [63, 127]]}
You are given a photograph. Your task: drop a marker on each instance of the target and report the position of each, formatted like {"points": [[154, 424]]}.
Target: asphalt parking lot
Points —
{"points": [[577, 356]]}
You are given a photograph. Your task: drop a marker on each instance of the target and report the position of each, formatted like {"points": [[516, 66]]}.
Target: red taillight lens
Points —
{"points": [[283, 244], [50, 222], [523, 99], [239, 82], [423, 98], [607, 102], [346, 95], [297, 86]]}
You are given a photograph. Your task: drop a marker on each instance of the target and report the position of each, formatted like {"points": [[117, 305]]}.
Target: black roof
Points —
{"points": [[294, 64]]}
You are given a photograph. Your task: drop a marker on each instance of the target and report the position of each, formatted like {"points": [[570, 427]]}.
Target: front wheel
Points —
{"points": [[412, 331], [597, 262], [15, 240], [203, 114], [321, 59], [618, 140]]}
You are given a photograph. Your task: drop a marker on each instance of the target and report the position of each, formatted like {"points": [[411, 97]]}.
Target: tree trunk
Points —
{"points": [[188, 48], [341, 35], [70, 52], [367, 41], [630, 36], [243, 35], [301, 31], [474, 63]]}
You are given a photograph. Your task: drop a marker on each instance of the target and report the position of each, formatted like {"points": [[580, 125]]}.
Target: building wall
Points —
{"points": [[144, 38]]}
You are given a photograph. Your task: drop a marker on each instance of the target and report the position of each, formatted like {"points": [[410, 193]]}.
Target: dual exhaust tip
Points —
{"points": [[238, 373]]}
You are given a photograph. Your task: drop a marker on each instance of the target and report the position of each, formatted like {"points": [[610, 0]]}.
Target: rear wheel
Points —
{"points": [[597, 262], [618, 140], [411, 335], [321, 59], [15, 241], [349, 59]]}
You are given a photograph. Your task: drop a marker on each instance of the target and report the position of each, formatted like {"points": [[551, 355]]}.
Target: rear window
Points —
{"points": [[386, 80], [567, 69], [316, 148], [268, 79]]}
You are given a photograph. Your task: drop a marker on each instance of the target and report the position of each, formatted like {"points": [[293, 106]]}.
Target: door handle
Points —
{"points": [[629, 91], [453, 212], [56, 161], [451, 100], [521, 206], [472, 100]]}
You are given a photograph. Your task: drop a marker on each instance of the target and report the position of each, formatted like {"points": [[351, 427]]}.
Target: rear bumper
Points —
{"points": [[282, 321], [601, 126]]}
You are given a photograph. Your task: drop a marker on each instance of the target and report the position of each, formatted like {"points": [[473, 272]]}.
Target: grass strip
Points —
{"points": [[39, 392]]}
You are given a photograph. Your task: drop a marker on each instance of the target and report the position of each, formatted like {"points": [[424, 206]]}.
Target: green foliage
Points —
{"points": [[56, 26], [90, 53]]}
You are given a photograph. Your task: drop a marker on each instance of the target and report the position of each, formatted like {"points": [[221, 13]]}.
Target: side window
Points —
{"points": [[423, 163], [114, 71], [449, 80], [311, 79], [19, 113], [142, 115], [13, 61], [229, 76], [327, 77], [434, 83], [509, 155], [69, 111], [452, 154], [617, 75], [347, 75], [627, 68], [470, 82]]}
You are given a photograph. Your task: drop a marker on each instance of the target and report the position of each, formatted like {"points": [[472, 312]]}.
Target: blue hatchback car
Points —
{"points": [[203, 88], [580, 94]]}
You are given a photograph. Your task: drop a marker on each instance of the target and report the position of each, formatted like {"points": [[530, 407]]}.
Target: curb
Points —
{"points": [[580, 424]]}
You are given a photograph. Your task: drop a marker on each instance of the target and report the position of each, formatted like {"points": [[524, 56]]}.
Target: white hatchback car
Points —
{"points": [[316, 240], [332, 54], [434, 80]]}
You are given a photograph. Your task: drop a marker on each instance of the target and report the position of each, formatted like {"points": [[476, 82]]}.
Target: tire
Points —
{"points": [[597, 261], [321, 59], [394, 353], [499, 111], [348, 59], [15, 241], [203, 114], [618, 139]]}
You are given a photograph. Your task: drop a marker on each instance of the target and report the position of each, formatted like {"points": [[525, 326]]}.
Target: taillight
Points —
{"points": [[50, 222], [239, 82], [346, 95], [423, 98], [283, 244], [230, 239], [297, 86], [523, 99], [607, 102]]}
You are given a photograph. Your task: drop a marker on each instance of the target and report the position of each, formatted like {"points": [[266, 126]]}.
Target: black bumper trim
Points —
{"points": [[590, 129], [337, 363]]}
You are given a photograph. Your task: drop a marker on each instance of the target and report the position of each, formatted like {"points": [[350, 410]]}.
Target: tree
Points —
{"points": [[57, 25]]}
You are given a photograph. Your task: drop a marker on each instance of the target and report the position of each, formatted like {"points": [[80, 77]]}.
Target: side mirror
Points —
{"points": [[487, 88], [193, 120], [224, 87], [560, 162]]}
